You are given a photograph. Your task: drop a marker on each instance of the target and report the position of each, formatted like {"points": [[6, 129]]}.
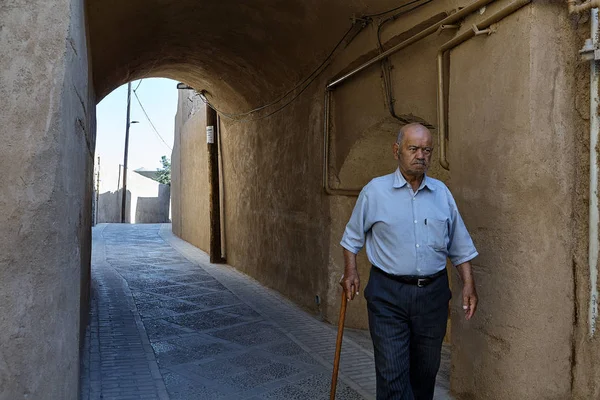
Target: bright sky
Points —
{"points": [[159, 98]]}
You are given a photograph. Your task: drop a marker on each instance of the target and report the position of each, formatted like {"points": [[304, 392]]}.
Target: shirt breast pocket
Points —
{"points": [[437, 232]]}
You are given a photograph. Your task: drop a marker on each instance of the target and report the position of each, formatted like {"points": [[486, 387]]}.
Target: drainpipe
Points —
{"points": [[594, 217], [213, 184], [590, 52]]}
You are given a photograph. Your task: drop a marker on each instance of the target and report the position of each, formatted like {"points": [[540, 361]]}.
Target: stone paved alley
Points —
{"points": [[167, 324]]}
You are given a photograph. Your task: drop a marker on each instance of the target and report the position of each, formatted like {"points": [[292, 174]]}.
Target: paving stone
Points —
{"points": [[215, 370], [193, 278], [318, 386], [163, 347], [307, 359], [285, 349], [205, 320], [250, 334], [179, 306], [181, 388], [170, 354], [279, 370], [178, 290], [242, 311], [159, 329], [212, 284], [143, 307], [196, 339], [147, 282], [250, 360], [289, 392], [245, 381], [143, 297], [214, 299]]}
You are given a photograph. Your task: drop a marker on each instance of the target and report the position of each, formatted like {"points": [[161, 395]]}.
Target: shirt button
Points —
{"points": [[415, 221], [418, 245], [413, 199]]}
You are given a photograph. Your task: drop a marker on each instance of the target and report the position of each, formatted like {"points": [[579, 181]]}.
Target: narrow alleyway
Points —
{"points": [[166, 324]]}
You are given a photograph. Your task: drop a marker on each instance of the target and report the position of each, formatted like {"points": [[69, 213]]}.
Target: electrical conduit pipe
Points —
{"points": [[461, 38], [594, 217], [460, 14]]}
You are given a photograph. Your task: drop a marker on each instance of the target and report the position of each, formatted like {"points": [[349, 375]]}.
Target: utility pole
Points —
{"points": [[213, 179], [97, 193], [124, 201]]}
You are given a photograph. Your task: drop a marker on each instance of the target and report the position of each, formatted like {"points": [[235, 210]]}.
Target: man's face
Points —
{"points": [[414, 153]]}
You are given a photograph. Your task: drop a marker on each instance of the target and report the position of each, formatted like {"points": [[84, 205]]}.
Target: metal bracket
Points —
{"points": [[364, 21], [478, 32], [589, 51], [447, 26]]}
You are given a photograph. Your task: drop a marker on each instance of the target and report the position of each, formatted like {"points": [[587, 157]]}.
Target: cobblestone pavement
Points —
{"points": [[167, 324]]}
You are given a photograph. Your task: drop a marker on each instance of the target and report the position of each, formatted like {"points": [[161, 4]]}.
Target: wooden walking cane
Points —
{"points": [[338, 345]]}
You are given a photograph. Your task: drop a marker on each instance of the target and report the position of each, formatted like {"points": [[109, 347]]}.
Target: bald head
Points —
{"points": [[412, 127]]}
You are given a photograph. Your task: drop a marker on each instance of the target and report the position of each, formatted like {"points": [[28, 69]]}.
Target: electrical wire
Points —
{"points": [[149, 120], [138, 86], [313, 75], [394, 17], [310, 78], [278, 109], [386, 65]]}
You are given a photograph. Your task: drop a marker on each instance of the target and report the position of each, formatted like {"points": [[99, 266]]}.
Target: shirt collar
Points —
{"points": [[399, 181]]}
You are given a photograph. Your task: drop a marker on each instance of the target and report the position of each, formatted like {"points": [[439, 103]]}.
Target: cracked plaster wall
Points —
{"points": [[47, 125]]}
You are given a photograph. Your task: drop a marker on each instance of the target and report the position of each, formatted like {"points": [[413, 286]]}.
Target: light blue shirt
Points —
{"points": [[408, 233]]}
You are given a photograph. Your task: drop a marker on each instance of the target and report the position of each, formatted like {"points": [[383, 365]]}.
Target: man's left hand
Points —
{"points": [[469, 294]]}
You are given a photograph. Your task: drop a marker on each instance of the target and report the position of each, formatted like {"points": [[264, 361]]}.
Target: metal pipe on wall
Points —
{"points": [[125, 156], [461, 38], [213, 184], [221, 190], [460, 14], [328, 189], [463, 12], [594, 217]]}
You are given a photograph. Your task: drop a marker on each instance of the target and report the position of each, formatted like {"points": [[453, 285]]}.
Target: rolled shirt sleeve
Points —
{"points": [[460, 246], [358, 226]]}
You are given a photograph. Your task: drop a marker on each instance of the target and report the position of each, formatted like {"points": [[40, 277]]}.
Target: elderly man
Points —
{"points": [[411, 225]]}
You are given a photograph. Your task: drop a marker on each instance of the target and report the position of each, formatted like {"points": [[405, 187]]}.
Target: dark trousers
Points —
{"points": [[407, 325]]}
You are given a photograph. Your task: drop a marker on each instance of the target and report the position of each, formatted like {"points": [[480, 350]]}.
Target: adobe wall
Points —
{"points": [[514, 134], [189, 174], [47, 122], [274, 222]]}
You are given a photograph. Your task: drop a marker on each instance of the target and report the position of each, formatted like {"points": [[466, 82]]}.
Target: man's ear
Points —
{"points": [[395, 149]]}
